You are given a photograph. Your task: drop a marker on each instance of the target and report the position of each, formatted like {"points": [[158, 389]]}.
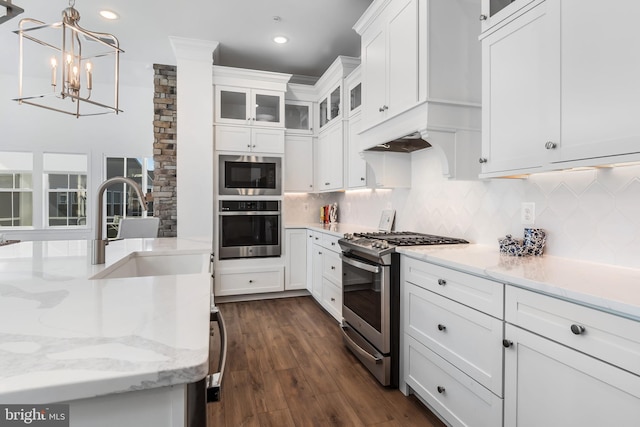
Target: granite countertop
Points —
{"points": [[605, 287], [64, 336]]}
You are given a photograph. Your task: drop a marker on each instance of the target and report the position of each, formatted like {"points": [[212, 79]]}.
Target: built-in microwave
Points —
{"points": [[250, 176]]}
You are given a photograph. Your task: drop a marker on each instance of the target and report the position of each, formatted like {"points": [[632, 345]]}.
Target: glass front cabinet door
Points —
{"points": [[298, 117], [329, 107], [245, 106]]}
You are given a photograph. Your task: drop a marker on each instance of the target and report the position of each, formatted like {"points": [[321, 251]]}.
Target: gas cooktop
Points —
{"points": [[379, 244], [409, 238]]}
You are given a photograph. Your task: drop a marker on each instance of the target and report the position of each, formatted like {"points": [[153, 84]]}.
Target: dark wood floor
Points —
{"points": [[286, 366]]}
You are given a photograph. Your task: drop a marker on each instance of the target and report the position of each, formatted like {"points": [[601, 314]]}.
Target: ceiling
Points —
{"points": [[318, 31]]}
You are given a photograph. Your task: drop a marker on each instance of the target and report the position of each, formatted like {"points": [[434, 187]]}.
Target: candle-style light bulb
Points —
{"points": [[68, 68], [89, 76], [54, 65]]}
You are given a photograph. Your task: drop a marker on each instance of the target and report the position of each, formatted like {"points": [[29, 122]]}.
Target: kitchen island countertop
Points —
{"points": [[64, 336], [605, 287]]}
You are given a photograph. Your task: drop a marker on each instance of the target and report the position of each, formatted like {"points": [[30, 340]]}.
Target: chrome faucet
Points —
{"points": [[100, 244]]}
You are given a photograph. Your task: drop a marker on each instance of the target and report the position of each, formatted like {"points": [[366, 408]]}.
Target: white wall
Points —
{"points": [[29, 128], [592, 215]]}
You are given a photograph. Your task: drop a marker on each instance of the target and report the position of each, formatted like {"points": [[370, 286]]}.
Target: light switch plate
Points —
{"points": [[386, 220]]}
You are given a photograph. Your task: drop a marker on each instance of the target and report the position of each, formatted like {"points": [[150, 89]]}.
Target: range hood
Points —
{"points": [[406, 144]]}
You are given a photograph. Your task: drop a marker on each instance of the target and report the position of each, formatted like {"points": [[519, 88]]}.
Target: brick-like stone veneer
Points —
{"points": [[164, 148]]}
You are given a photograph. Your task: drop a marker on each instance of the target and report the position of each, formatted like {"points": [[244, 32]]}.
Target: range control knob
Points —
{"points": [[348, 236], [384, 244]]}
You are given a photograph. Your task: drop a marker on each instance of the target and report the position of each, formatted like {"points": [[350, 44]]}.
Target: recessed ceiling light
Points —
{"points": [[280, 39], [109, 14]]}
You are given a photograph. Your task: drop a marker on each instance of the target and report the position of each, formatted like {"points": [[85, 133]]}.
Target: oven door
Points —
{"points": [[366, 300], [249, 234], [250, 176]]}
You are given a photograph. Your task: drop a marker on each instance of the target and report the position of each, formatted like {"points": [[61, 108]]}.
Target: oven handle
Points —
{"points": [[374, 358], [359, 264], [214, 380], [247, 213]]}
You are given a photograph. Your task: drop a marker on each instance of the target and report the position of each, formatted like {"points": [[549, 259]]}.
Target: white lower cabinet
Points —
{"points": [[326, 285], [295, 269], [568, 365], [240, 281], [548, 384], [458, 399], [452, 350]]}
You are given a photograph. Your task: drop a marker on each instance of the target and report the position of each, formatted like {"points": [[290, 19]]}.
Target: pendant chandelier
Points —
{"points": [[57, 71]]}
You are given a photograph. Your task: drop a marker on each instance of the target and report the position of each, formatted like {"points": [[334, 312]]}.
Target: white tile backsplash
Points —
{"points": [[591, 214]]}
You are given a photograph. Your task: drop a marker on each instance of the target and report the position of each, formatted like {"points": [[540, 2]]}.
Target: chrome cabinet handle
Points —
{"points": [[550, 145], [577, 329], [482, 160], [212, 383], [483, 17], [442, 282], [440, 389], [507, 343], [441, 327]]}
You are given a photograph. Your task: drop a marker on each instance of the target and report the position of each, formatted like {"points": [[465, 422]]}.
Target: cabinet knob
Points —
{"points": [[310, 185], [248, 145], [333, 300], [440, 389], [333, 243], [550, 145], [319, 253], [483, 17], [327, 183], [482, 160], [507, 343], [362, 179], [250, 281], [333, 267], [254, 145], [383, 108], [577, 329], [441, 327], [442, 282]]}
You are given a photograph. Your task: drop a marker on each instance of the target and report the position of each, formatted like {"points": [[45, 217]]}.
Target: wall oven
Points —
{"points": [[249, 228], [250, 176]]}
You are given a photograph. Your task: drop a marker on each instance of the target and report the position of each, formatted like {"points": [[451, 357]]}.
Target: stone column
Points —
{"points": [[165, 123]]}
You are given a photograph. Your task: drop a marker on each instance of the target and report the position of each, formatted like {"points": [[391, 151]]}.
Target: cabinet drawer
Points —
{"points": [[330, 242], [608, 337], [456, 397], [332, 267], [239, 282], [482, 294], [332, 299], [317, 237], [467, 338]]}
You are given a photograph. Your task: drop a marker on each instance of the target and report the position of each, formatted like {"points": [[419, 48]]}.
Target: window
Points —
{"points": [[66, 189], [122, 200], [16, 189]]}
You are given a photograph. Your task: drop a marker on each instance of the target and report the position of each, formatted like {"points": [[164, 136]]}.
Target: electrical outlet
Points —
{"points": [[528, 213], [305, 206]]}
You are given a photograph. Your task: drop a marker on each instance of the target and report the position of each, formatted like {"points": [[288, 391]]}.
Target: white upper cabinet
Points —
{"points": [[249, 97], [558, 94], [600, 80], [521, 79], [249, 140], [493, 12], [329, 159], [249, 107], [298, 163], [298, 116], [330, 106], [389, 56]]}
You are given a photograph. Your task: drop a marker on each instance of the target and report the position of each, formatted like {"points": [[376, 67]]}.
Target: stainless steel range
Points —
{"points": [[371, 297]]}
